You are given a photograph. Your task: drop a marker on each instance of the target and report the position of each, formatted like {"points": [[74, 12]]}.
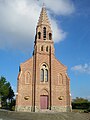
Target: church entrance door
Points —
{"points": [[44, 102]]}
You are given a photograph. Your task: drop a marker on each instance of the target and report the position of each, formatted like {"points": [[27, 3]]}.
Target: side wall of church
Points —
{"points": [[24, 96], [60, 87]]}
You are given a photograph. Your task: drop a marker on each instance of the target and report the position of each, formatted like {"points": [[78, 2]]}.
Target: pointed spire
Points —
{"points": [[43, 19]]}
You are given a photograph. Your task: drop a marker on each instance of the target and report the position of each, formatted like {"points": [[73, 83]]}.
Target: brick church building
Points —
{"points": [[43, 83]]}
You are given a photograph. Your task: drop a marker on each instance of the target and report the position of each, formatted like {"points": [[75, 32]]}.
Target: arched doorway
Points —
{"points": [[44, 98]]}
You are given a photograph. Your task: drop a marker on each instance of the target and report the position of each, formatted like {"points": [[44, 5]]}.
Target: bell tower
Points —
{"points": [[42, 58], [43, 38]]}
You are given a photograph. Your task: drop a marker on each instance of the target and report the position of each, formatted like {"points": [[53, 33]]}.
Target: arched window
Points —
{"points": [[47, 48], [39, 35], [27, 78], [41, 48], [44, 73], [44, 33], [50, 36], [60, 79]]}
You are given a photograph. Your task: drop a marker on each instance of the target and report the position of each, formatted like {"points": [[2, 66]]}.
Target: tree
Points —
{"points": [[80, 100], [10, 97], [11, 94], [6, 92], [80, 103]]}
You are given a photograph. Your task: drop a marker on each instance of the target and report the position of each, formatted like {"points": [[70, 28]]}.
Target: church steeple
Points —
{"points": [[43, 39], [43, 30], [43, 19]]}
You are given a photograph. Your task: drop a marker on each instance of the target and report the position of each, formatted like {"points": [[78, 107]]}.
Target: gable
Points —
{"points": [[59, 65]]}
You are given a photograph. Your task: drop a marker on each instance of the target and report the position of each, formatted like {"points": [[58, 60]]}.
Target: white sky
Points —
{"points": [[18, 20]]}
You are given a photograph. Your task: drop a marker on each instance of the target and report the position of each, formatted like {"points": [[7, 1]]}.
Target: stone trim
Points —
{"points": [[37, 109], [61, 109], [23, 108]]}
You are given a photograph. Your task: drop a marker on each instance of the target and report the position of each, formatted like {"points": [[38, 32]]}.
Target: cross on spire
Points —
{"points": [[43, 4]]}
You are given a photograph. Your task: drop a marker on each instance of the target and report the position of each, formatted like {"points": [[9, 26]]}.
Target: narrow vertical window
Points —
{"points": [[50, 36], [44, 33], [60, 79], [39, 35], [46, 75], [27, 78], [41, 48], [47, 49], [42, 75]]}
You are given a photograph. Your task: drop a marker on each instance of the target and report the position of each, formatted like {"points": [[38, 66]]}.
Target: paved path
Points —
{"points": [[7, 115]]}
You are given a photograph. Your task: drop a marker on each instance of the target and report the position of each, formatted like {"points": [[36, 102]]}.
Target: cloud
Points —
{"points": [[60, 7], [82, 68], [18, 19], [58, 34], [88, 97]]}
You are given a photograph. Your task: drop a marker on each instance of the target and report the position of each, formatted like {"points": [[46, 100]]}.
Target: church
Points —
{"points": [[43, 83]]}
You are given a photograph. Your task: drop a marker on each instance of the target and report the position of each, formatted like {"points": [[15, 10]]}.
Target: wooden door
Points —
{"points": [[44, 102]]}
